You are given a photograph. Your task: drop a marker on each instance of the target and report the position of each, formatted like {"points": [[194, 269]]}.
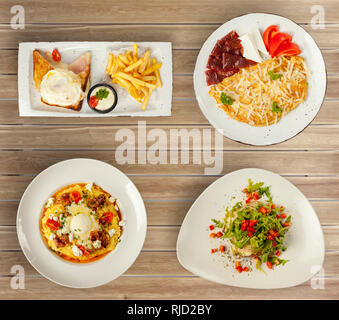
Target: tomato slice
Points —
{"points": [[53, 225], [56, 55], [277, 40], [287, 49], [76, 195], [93, 101], [268, 35], [107, 217]]}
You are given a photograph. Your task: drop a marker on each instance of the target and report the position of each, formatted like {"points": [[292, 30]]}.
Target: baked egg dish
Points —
{"points": [[81, 223]]}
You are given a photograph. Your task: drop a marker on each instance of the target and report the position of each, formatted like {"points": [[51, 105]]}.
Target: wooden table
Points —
{"points": [[29, 145]]}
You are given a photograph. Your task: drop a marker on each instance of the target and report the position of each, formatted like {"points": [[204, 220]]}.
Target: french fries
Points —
{"points": [[138, 75]]}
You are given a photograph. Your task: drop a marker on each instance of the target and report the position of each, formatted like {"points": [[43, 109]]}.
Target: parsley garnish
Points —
{"points": [[102, 94], [273, 75], [226, 99], [275, 107]]}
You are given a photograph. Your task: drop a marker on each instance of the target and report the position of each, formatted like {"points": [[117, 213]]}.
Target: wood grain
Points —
{"points": [[176, 11], [182, 36], [106, 137], [184, 187], [304, 163], [167, 287]]}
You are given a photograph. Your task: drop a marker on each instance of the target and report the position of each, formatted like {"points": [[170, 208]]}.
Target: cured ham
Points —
{"points": [[226, 59]]}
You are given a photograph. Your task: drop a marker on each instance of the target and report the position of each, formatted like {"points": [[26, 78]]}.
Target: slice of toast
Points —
{"points": [[40, 67], [81, 67]]}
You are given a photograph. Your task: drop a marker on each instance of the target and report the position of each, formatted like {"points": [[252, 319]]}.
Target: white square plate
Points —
{"points": [[29, 98], [305, 243]]}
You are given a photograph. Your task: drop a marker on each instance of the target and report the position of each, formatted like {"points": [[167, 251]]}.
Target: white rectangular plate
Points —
{"points": [[29, 98]]}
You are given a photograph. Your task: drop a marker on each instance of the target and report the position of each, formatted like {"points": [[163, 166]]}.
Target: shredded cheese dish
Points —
{"points": [[262, 94]]}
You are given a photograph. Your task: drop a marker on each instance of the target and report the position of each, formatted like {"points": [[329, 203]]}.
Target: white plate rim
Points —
{"points": [[140, 244]]}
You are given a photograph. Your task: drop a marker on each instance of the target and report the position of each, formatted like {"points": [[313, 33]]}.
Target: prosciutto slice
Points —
{"points": [[226, 59]]}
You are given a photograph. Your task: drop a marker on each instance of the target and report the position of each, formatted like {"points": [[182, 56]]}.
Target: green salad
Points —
{"points": [[255, 228]]}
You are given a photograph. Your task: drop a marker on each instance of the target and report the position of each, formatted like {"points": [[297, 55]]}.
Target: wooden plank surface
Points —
{"points": [[155, 11], [176, 288], [29, 145], [184, 187], [182, 36]]}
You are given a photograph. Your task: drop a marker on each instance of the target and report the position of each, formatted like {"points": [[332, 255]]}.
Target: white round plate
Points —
{"points": [[84, 275], [291, 124], [305, 243]]}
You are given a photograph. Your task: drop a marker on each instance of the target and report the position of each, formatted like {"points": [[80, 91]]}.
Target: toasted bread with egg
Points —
{"points": [[81, 67]]}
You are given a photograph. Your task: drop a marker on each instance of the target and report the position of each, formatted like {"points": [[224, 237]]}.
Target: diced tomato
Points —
{"points": [[286, 224], [245, 190], [278, 253], [211, 227], [262, 210], [52, 224], [56, 55], [268, 34], [212, 235], [84, 251], [277, 40], [76, 195], [214, 250], [270, 237], [222, 248], [238, 267], [283, 216], [269, 265], [274, 244], [253, 223], [277, 216], [106, 217], [244, 225], [93, 101], [251, 229], [250, 234], [255, 195], [219, 234], [246, 269], [248, 201], [272, 206]]}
